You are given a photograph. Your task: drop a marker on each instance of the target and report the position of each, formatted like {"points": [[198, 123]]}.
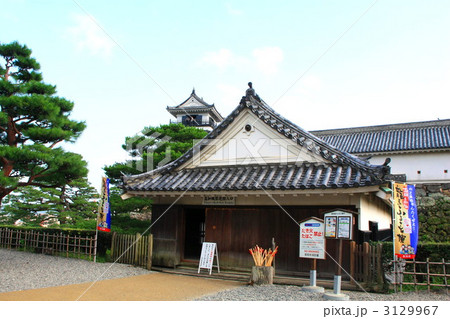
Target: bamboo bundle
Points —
{"points": [[263, 257]]}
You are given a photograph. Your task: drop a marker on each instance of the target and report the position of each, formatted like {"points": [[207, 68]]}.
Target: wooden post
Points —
{"points": [[150, 251], [445, 275], [18, 234], [339, 258], [395, 273], [352, 261], [128, 247], [67, 246], [337, 276], [136, 249], [313, 264], [379, 264], [428, 274], [415, 275], [366, 258], [274, 245], [113, 240], [9, 238]]}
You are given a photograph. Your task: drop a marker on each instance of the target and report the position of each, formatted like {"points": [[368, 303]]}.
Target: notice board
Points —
{"points": [[312, 239], [209, 251], [338, 225]]}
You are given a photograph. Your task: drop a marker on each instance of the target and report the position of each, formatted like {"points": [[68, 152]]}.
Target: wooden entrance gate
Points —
{"points": [[366, 264], [132, 249]]}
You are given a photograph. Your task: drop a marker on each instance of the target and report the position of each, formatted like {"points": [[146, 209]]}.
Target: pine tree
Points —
{"points": [[33, 121], [69, 204], [152, 147]]}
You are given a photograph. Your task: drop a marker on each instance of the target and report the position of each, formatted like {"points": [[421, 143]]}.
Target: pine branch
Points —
{"points": [[53, 145]]}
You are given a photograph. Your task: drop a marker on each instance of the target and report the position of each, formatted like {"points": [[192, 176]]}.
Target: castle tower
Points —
{"points": [[196, 112]]}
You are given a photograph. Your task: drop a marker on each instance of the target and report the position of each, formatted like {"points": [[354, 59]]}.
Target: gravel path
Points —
{"points": [[22, 270], [294, 293]]}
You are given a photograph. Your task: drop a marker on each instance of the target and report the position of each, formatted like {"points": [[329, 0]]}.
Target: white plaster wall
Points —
{"points": [[262, 145], [375, 210], [432, 166]]}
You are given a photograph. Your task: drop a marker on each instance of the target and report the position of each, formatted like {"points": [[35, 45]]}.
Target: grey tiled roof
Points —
{"points": [[430, 135], [196, 98], [338, 168], [257, 177]]}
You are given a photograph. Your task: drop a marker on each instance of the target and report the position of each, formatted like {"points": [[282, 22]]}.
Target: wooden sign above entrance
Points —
{"points": [[218, 200]]}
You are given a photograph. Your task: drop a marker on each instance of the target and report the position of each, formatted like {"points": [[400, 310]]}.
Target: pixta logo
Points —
{"points": [[142, 148]]}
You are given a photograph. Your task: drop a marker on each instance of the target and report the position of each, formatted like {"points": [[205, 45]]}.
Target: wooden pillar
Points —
{"points": [[150, 251], [352, 261], [366, 262], [137, 244], [379, 264]]}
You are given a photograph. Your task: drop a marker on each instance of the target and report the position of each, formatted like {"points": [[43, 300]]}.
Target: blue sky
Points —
{"points": [[322, 64]]}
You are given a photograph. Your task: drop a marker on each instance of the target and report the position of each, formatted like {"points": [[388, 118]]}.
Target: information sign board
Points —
{"points": [[209, 251], [312, 239], [338, 225], [330, 226]]}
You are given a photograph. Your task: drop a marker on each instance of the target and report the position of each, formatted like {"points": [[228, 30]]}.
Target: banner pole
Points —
{"points": [[96, 223], [393, 219], [393, 235]]}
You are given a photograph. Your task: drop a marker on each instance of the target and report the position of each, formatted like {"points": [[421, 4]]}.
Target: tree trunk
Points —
{"points": [[262, 275]]}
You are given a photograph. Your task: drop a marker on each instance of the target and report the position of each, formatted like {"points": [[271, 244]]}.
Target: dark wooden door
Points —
{"points": [[236, 230]]}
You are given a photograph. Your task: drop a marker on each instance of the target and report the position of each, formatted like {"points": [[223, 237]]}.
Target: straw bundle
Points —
{"points": [[263, 257]]}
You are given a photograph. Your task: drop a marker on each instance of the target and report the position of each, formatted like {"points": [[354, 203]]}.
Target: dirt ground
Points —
{"points": [[151, 287]]}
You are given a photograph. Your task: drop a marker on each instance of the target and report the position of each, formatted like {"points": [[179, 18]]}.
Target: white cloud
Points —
{"points": [[87, 35], [265, 60], [221, 59], [268, 59]]}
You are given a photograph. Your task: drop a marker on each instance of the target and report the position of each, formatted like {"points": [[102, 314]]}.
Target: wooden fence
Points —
{"points": [[366, 264], [421, 273], [132, 249], [51, 244]]}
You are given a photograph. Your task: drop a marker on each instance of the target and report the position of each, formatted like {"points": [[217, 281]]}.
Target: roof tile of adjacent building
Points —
{"points": [[339, 169], [392, 138]]}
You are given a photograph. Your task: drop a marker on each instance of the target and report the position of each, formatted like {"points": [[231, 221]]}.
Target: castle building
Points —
{"points": [[194, 111], [249, 182]]}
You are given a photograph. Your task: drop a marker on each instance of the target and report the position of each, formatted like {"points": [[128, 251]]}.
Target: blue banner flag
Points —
{"points": [[406, 222], [104, 211]]}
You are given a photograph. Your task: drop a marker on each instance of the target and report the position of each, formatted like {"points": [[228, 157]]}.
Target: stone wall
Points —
{"points": [[433, 204]]}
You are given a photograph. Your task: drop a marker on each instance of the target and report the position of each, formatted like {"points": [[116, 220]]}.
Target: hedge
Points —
{"points": [[433, 251]]}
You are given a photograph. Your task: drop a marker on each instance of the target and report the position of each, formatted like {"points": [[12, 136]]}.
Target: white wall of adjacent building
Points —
{"points": [[431, 167]]}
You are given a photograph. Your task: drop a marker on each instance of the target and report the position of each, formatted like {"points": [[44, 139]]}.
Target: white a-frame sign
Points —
{"points": [[209, 251]]}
